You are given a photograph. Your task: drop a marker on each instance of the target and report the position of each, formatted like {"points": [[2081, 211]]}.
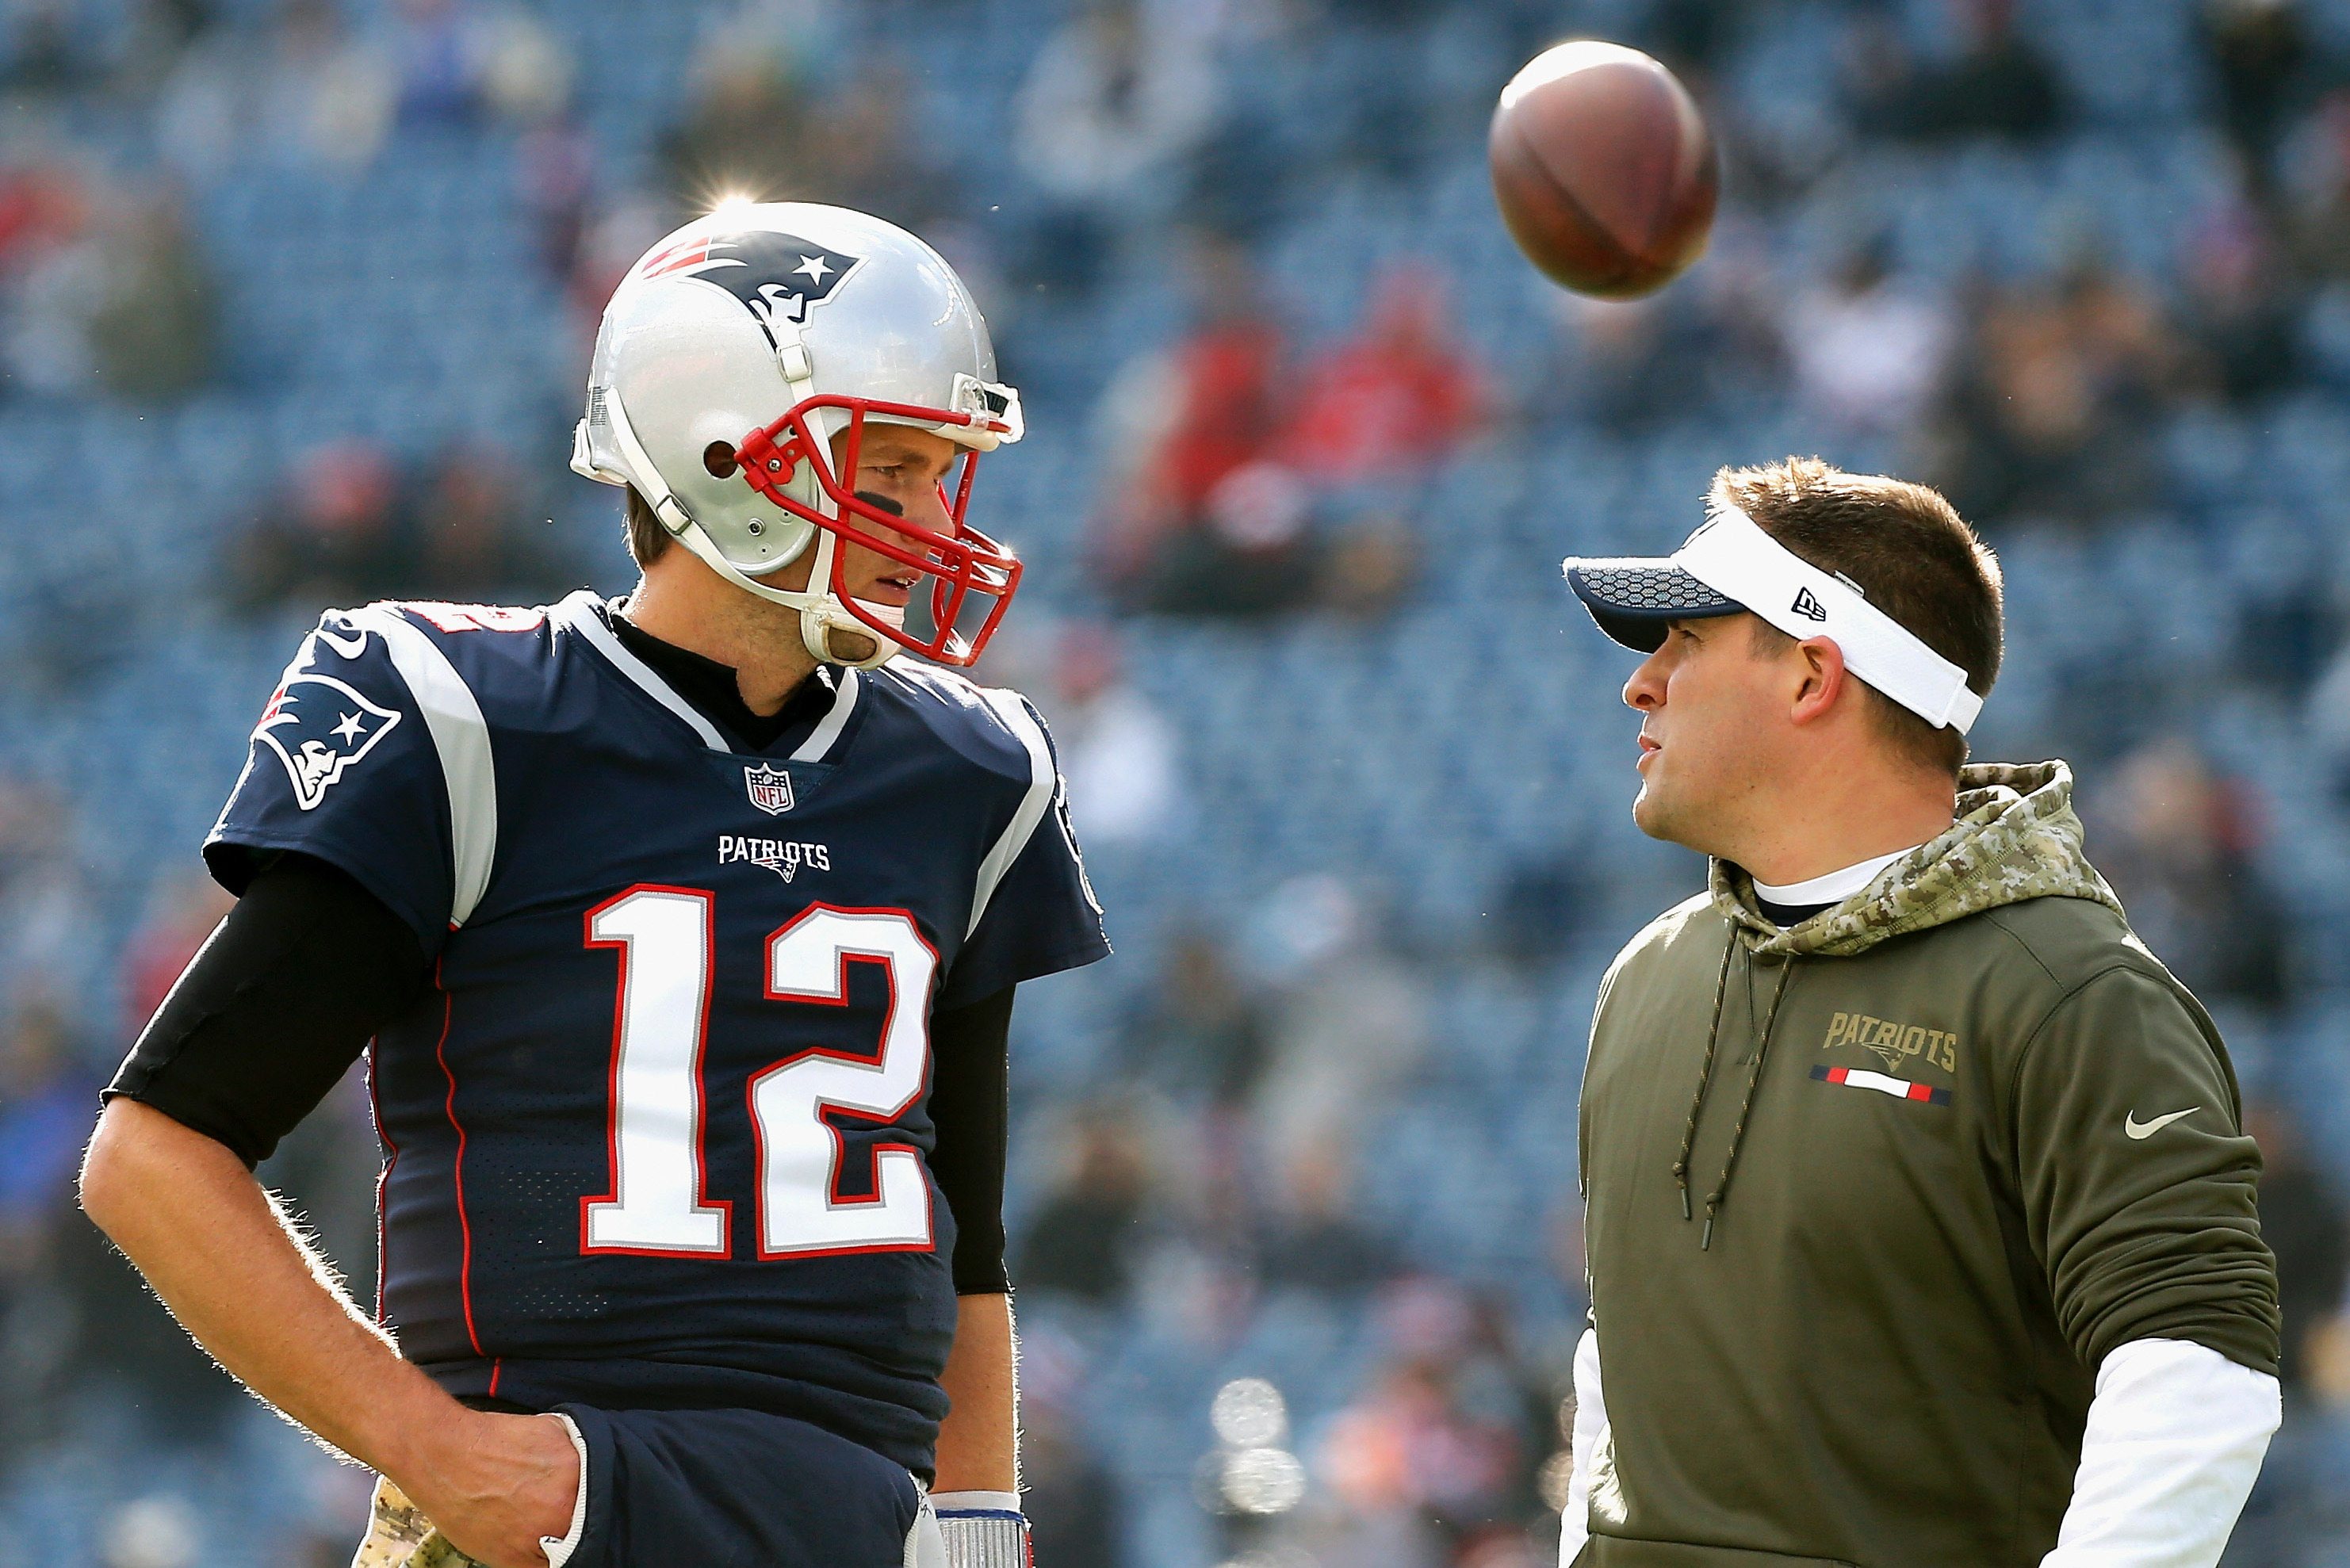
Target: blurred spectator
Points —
{"points": [[1869, 351], [1197, 518], [2328, 718], [1547, 902], [332, 537], [1199, 1034], [1694, 37], [1075, 1506], [869, 154], [1633, 366], [1351, 1019], [186, 907], [1083, 1240], [48, 935], [2178, 847], [2260, 52], [43, 205], [156, 1531], [47, 1106], [2305, 1223], [2000, 85], [52, 273], [159, 32], [1367, 567], [2242, 313], [43, 50], [124, 1345], [1117, 93], [461, 65], [333, 1514], [2052, 410], [154, 319], [1394, 400], [1116, 752], [2320, 186], [302, 90], [557, 162], [752, 128], [1249, 552], [1429, 1459], [1178, 422], [473, 538], [1313, 1241], [349, 527], [619, 231]]}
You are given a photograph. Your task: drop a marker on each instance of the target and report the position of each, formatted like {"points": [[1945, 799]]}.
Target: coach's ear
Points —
{"points": [[1824, 679]]}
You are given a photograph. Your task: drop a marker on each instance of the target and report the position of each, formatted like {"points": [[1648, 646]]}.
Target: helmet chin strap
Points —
{"points": [[821, 613]]}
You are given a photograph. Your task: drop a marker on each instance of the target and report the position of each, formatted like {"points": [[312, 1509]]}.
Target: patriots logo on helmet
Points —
{"points": [[320, 729], [778, 277]]}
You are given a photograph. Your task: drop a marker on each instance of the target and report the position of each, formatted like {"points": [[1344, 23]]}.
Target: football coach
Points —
{"points": [[1919, 1209]]}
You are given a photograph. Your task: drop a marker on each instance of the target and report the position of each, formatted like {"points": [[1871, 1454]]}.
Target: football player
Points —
{"points": [[686, 926]]}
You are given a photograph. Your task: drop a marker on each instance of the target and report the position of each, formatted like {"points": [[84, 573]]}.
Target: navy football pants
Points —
{"points": [[737, 1489]]}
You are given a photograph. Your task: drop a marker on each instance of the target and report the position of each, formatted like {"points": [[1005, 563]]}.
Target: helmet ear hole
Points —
{"points": [[718, 457]]}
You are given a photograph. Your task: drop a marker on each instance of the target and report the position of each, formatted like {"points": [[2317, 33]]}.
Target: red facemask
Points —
{"points": [[959, 565]]}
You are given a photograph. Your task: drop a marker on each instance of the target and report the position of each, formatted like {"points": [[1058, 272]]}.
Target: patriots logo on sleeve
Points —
{"points": [[320, 729]]}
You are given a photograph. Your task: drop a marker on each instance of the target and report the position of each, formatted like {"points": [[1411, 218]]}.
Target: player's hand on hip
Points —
{"points": [[504, 1484]]}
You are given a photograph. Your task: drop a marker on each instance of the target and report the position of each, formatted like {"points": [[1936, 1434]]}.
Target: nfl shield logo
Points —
{"points": [[770, 789]]}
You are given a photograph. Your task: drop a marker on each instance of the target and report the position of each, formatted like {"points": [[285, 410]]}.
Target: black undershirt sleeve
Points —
{"points": [[273, 1011], [971, 1106]]}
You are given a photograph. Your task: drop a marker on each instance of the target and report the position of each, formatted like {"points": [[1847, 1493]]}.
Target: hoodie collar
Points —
{"points": [[2016, 838]]}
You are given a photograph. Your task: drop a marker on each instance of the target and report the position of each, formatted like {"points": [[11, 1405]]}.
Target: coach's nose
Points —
{"points": [[1646, 690]]}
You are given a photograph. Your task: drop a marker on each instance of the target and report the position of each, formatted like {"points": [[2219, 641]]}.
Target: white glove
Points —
{"points": [[982, 1529]]}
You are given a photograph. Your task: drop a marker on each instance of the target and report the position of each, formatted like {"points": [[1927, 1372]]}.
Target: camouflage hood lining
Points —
{"points": [[2016, 838]]}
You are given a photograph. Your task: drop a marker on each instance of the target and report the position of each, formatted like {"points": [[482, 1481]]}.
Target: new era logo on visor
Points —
{"points": [[1807, 607]]}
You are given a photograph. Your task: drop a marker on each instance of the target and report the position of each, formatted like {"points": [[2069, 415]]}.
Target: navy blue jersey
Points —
{"points": [[657, 1135]]}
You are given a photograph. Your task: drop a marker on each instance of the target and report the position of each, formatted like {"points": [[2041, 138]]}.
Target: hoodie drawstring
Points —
{"points": [[1704, 1073], [1705, 1078], [1746, 1105]]}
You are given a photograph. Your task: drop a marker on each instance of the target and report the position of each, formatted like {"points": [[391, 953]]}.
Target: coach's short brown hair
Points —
{"points": [[647, 537], [1904, 547]]}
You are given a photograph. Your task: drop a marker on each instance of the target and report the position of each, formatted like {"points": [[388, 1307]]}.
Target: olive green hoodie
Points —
{"points": [[1869, 1200]]}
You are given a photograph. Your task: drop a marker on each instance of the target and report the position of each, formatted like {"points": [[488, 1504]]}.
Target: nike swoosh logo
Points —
{"points": [[2136, 1129], [348, 646]]}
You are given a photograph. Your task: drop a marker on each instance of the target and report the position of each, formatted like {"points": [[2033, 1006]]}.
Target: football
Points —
{"points": [[1603, 169]]}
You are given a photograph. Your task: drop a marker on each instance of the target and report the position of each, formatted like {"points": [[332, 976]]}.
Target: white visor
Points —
{"points": [[1730, 565]]}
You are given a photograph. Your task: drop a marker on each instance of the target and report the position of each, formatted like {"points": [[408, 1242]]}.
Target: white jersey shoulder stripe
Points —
{"points": [[578, 614], [828, 729], [1043, 778], [462, 737]]}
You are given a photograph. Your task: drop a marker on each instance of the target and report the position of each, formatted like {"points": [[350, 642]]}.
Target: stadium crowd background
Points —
{"points": [[295, 302]]}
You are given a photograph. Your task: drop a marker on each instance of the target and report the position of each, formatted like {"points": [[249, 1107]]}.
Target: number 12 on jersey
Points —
{"points": [[657, 1203]]}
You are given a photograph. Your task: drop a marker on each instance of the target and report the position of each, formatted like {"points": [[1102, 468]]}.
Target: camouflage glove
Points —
{"points": [[399, 1536]]}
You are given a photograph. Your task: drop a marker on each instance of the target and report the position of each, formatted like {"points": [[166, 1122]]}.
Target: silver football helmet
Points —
{"points": [[737, 351]]}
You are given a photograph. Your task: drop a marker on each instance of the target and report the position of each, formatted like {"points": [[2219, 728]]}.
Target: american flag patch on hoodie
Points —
{"points": [[1899, 1088]]}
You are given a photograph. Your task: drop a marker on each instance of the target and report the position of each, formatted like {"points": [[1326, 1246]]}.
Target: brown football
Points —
{"points": [[1604, 169]]}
